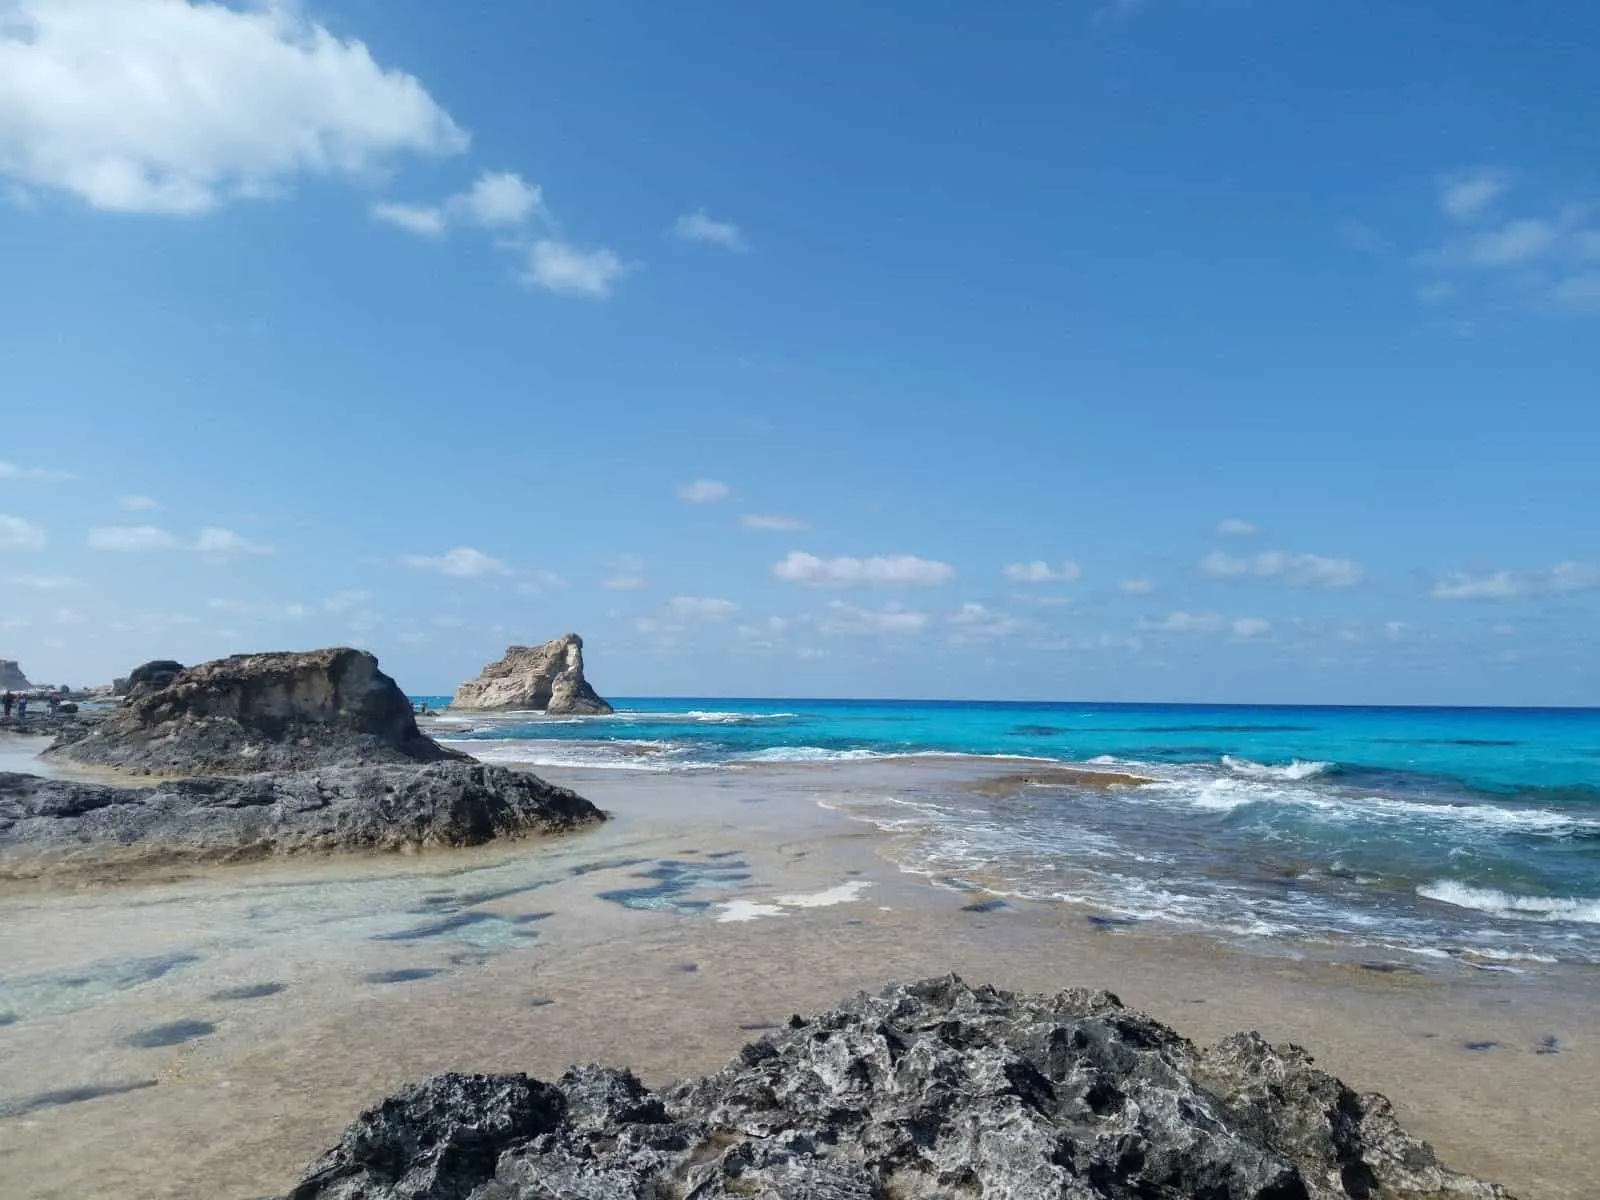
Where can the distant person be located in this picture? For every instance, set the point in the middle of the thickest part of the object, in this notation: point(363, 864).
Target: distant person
point(22, 708)
point(9, 701)
point(54, 702)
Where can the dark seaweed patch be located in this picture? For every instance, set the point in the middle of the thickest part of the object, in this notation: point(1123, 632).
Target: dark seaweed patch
point(74, 1095)
point(249, 991)
point(529, 918)
point(171, 1034)
point(8, 1018)
point(673, 880)
point(984, 906)
point(1479, 1046)
point(1100, 922)
point(756, 1026)
point(1549, 1044)
point(539, 1001)
point(436, 928)
point(1389, 968)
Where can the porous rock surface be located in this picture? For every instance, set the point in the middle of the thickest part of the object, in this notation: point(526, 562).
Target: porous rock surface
point(547, 677)
point(255, 712)
point(51, 825)
point(932, 1089)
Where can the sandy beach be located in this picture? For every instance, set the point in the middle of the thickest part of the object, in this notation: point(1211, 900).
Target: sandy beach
point(210, 1035)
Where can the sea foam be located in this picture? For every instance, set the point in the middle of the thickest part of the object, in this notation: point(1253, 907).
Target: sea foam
point(1493, 901)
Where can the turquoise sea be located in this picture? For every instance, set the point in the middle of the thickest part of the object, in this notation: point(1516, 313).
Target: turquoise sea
point(1470, 833)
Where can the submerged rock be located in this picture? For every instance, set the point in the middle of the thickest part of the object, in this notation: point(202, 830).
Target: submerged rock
point(547, 677)
point(256, 712)
point(932, 1089)
point(55, 825)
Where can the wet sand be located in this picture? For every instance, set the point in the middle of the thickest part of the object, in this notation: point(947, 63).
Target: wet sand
point(210, 1036)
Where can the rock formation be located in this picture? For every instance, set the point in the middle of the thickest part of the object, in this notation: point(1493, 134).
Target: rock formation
point(148, 677)
point(934, 1089)
point(256, 712)
point(547, 677)
point(11, 677)
point(58, 826)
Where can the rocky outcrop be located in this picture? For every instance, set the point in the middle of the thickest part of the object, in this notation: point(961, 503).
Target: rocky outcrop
point(148, 677)
point(256, 712)
point(60, 826)
point(11, 677)
point(933, 1089)
point(547, 678)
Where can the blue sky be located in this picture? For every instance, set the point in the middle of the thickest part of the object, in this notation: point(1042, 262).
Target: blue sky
point(1186, 349)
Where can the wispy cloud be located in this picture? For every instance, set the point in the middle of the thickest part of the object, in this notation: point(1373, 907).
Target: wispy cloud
point(17, 533)
point(1137, 587)
point(704, 491)
point(1185, 622)
point(496, 200)
point(260, 610)
point(842, 618)
point(1039, 571)
point(463, 562)
point(11, 470)
point(1296, 570)
point(698, 227)
point(1467, 195)
point(774, 524)
point(1515, 585)
point(627, 573)
point(46, 583)
point(887, 570)
point(133, 539)
point(1247, 628)
point(215, 542)
point(423, 220)
point(134, 503)
point(1236, 527)
point(345, 600)
point(701, 608)
point(977, 623)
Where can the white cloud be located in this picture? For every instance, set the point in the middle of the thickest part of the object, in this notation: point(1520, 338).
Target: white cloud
point(167, 106)
point(1360, 236)
point(1137, 587)
point(704, 491)
point(1512, 244)
point(1039, 571)
point(1578, 293)
point(774, 524)
point(18, 534)
point(1395, 630)
point(1251, 627)
point(706, 608)
point(1236, 527)
point(840, 617)
point(538, 582)
point(1185, 622)
point(627, 573)
point(1296, 570)
point(697, 227)
point(499, 200)
point(800, 567)
point(11, 470)
point(461, 563)
point(346, 599)
point(413, 218)
point(68, 616)
point(224, 543)
point(260, 610)
point(566, 269)
point(48, 583)
point(624, 583)
point(1469, 194)
point(1514, 585)
point(132, 539)
point(138, 504)
point(977, 622)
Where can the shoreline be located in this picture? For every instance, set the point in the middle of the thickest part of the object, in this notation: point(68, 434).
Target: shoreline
point(268, 1003)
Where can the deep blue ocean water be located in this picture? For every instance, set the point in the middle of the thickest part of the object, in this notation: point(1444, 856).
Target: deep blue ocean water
point(1473, 833)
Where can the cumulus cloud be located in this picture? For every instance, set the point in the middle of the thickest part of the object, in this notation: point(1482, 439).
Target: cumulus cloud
point(135, 503)
point(413, 218)
point(697, 227)
point(168, 106)
point(1514, 585)
point(1296, 570)
point(704, 491)
point(842, 618)
point(561, 267)
point(346, 599)
point(887, 570)
point(496, 200)
point(461, 563)
point(774, 524)
point(701, 608)
point(1039, 571)
point(1185, 622)
point(133, 539)
point(1467, 195)
point(215, 542)
point(1137, 587)
point(11, 470)
point(1251, 627)
point(977, 622)
point(1236, 527)
point(19, 534)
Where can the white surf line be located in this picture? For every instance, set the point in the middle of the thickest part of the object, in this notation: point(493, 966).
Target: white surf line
point(750, 910)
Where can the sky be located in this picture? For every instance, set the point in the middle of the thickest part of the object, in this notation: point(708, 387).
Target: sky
point(1189, 350)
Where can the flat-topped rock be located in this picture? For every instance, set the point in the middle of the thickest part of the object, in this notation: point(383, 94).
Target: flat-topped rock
point(926, 1090)
point(256, 712)
point(11, 677)
point(547, 678)
point(62, 827)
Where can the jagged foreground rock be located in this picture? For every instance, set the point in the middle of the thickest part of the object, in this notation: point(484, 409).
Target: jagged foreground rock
point(256, 712)
point(547, 677)
point(51, 825)
point(927, 1090)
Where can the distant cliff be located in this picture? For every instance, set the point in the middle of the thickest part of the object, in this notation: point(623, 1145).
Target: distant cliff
point(547, 677)
point(11, 677)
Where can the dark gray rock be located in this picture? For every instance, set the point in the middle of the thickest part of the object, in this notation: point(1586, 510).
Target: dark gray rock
point(933, 1089)
point(49, 824)
point(255, 712)
point(149, 677)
